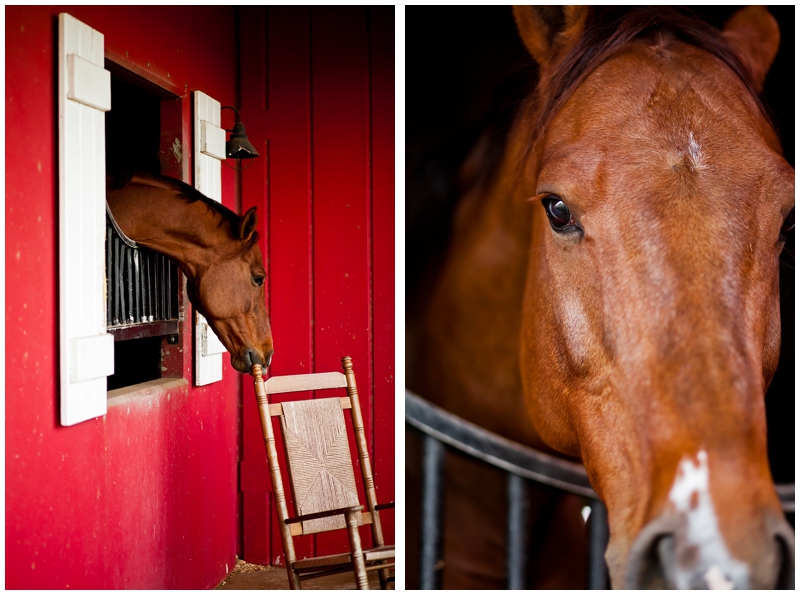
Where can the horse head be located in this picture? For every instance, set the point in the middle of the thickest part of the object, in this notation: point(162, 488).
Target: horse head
point(227, 287)
point(651, 326)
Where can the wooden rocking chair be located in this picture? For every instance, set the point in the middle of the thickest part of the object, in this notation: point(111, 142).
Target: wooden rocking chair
point(321, 475)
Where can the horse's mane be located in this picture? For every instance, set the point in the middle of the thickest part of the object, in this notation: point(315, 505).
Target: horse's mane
point(184, 190)
point(611, 28)
point(187, 193)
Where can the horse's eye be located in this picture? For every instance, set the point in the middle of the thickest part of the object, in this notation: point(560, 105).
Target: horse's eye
point(258, 280)
point(788, 224)
point(558, 214)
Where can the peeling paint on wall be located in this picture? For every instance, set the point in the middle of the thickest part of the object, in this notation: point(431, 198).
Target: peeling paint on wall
point(177, 150)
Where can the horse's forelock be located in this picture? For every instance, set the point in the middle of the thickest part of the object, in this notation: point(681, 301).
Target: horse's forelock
point(609, 30)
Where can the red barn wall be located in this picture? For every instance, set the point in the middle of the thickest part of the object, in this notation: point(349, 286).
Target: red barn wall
point(148, 496)
point(318, 85)
point(144, 497)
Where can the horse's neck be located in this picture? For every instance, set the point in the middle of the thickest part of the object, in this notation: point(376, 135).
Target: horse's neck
point(468, 348)
point(160, 220)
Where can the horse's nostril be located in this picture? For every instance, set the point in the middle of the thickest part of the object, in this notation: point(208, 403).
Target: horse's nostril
point(252, 357)
point(269, 357)
point(652, 557)
point(645, 568)
point(785, 579)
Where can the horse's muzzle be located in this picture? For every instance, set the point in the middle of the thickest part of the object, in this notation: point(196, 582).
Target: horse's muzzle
point(251, 356)
point(663, 557)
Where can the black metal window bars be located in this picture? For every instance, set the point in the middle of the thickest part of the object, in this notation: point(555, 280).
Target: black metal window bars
point(441, 428)
point(141, 288)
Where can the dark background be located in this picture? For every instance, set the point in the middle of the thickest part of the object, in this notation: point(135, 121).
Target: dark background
point(465, 70)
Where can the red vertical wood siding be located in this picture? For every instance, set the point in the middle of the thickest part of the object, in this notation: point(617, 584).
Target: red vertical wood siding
point(144, 497)
point(342, 255)
point(318, 83)
point(382, 143)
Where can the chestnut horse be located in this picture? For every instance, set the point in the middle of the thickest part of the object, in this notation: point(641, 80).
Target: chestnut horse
point(216, 249)
point(644, 327)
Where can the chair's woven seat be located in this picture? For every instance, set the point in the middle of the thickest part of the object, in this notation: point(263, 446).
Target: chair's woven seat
point(319, 461)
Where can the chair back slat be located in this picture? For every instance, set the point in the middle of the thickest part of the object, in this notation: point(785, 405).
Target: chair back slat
point(300, 382)
point(318, 460)
point(276, 409)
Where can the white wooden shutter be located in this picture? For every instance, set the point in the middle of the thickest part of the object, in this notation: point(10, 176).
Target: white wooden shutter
point(209, 151)
point(84, 94)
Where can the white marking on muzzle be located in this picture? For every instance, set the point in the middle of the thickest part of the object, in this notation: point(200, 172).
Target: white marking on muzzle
point(692, 498)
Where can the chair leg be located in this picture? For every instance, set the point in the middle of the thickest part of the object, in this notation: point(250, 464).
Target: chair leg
point(356, 552)
point(275, 475)
point(383, 574)
point(294, 580)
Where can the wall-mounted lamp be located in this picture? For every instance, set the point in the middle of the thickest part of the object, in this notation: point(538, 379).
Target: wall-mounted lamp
point(238, 147)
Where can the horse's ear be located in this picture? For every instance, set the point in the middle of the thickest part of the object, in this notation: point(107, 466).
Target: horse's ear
point(547, 31)
point(247, 225)
point(755, 35)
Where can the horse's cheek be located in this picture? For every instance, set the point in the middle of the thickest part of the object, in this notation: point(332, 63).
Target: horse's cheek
point(772, 342)
point(217, 299)
point(545, 378)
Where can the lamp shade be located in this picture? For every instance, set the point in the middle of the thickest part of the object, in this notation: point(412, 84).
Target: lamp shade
point(238, 147)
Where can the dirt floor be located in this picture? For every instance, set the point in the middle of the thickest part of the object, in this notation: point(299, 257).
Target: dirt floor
point(252, 576)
